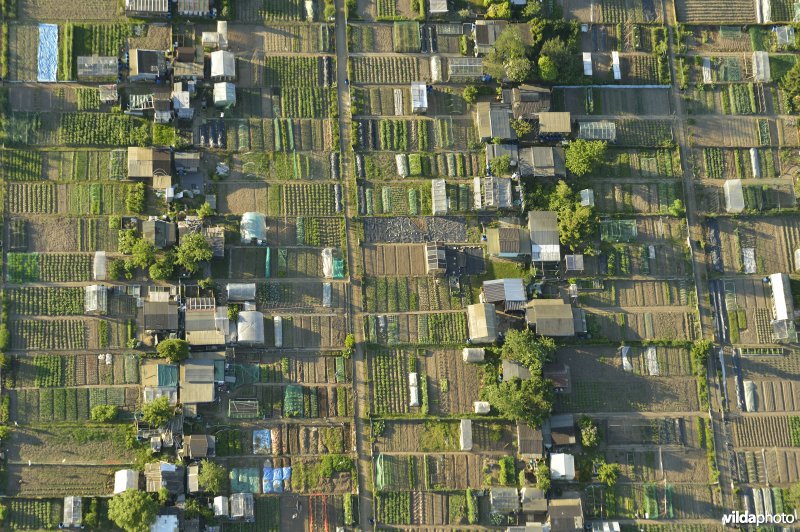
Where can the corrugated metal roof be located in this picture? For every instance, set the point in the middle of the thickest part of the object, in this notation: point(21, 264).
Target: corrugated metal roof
point(482, 322)
point(511, 289)
point(543, 228)
point(554, 122)
point(551, 317)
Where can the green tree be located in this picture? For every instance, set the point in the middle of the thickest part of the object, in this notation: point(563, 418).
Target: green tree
point(173, 349)
point(529, 400)
point(790, 83)
point(143, 253)
point(677, 209)
point(590, 436)
point(500, 165)
point(126, 239)
point(132, 510)
point(116, 269)
point(136, 197)
point(521, 127)
point(163, 496)
point(509, 45)
point(499, 10)
point(212, 477)
point(548, 70)
point(543, 476)
point(158, 412)
point(585, 156)
point(576, 226)
point(205, 210)
point(5, 432)
point(517, 69)
point(104, 413)
point(532, 9)
point(528, 349)
point(608, 473)
point(470, 94)
point(193, 250)
point(163, 268)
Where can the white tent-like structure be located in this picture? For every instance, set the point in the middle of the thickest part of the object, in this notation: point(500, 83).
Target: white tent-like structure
point(562, 466)
point(465, 439)
point(253, 227)
point(473, 354)
point(761, 71)
point(250, 327)
point(481, 407)
point(99, 266)
point(734, 196)
point(277, 326)
point(126, 479)
point(224, 94)
point(220, 506)
point(750, 402)
point(73, 512)
point(223, 66)
point(438, 196)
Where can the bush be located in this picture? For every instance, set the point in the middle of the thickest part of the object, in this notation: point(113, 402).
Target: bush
point(173, 349)
point(508, 471)
point(104, 413)
point(157, 412)
point(473, 514)
point(135, 199)
point(470, 93)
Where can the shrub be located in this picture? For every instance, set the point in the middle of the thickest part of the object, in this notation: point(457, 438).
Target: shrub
point(104, 413)
point(136, 198)
point(173, 349)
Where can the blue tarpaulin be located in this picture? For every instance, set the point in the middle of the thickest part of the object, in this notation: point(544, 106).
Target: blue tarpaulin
point(273, 479)
point(48, 52)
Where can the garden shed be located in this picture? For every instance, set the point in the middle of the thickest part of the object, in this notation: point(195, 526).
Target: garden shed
point(527, 101)
point(241, 291)
point(126, 479)
point(566, 513)
point(554, 125)
point(220, 506)
point(97, 68)
point(587, 63)
point(146, 65)
point(515, 370)
point(419, 97)
point(574, 263)
point(530, 444)
point(554, 317)
point(473, 354)
point(99, 266)
point(562, 466)
point(482, 323)
point(465, 438)
point(750, 396)
point(761, 72)
point(223, 66)
point(197, 382)
point(144, 163)
point(160, 233)
point(188, 71)
point(212, 40)
point(250, 327)
point(598, 130)
point(181, 102)
point(224, 94)
point(587, 197)
point(544, 236)
point(164, 475)
point(161, 315)
point(486, 33)
point(438, 196)
point(508, 242)
point(253, 228)
point(199, 446)
point(510, 292)
point(437, 7)
point(542, 161)
point(146, 8)
point(494, 122)
point(493, 151)
point(95, 299)
point(73, 512)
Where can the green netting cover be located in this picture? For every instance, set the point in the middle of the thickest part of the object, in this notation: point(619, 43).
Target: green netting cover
point(267, 263)
point(246, 374)
point(338, 268)
point(245, 480)
point(293, 401)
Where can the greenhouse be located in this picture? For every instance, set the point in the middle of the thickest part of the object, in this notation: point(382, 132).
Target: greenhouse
point(618, 230)
point(96, 299)
point(250, 327)
point(254, 228)
point(224, 94)
point(734, 196)
point(241, 291)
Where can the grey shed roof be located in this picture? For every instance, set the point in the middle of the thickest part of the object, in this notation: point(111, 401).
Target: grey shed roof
point(543, 228)
point(487, 31)
point(542, 161)
point(504, 500)
point(160, 315)
point(73, 511)
point(164, 475)
point(527, 101)
point(241, 291)
point(515, 370)
point(95, 67)
point(508, 241)
point(147, 7)
point(161, 233)
point(482, 322)
point(494, 121)
point(554, 122)
point(437, 6)
point(509, 291)
point(551, 317)
point(529, 441)
point(498, 150)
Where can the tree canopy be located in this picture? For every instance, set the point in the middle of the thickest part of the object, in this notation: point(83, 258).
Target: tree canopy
point(104, 413)
point(212, 477)
point(790, 83)
point(590, 436)
point(158, 412)
point(528, 349)
point(173, 349)
point(500, 165)
point(508, 57)
point(585, 156)
point(529, 400)
point(557, 61)
point(132, 510)
point(143, 253)
point(608, 473)
point(193, 250)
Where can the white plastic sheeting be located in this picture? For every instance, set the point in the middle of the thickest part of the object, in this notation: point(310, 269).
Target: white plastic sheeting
point(481, 407)
point(327, 263)
point(241, 291)
point(626, 363)
point(734, 195)
point(587, 63)
point(465, 439)
point(48, 53)
point(438, 196)
point(436, 69)
point(327, 295)
point(277, 324)
point(99, 267)
point(615, 65)
point(761, 72)
point(250, 327)
point(253, 226)
point(750, 396)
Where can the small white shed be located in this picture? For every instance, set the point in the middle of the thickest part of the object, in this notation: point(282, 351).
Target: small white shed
point(473, 354)
point(466, 435)
point(481, 407)
point(224, 94)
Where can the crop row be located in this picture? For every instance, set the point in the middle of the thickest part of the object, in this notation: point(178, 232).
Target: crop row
point(49, 372)
point(384, 70)
point(88, 99)
point(394, 507)
point(279, 134)
point(48, 267)
point(309, 200)
point(69, 404)
point(305, 102)
point(57, 334)
point(442, 329)
point(103, 129)
point(293, 72)
point(40, 301)
point(33, 514)
point(21, 165)
point(389, 377)
point(395, 200)
point(31, 198)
